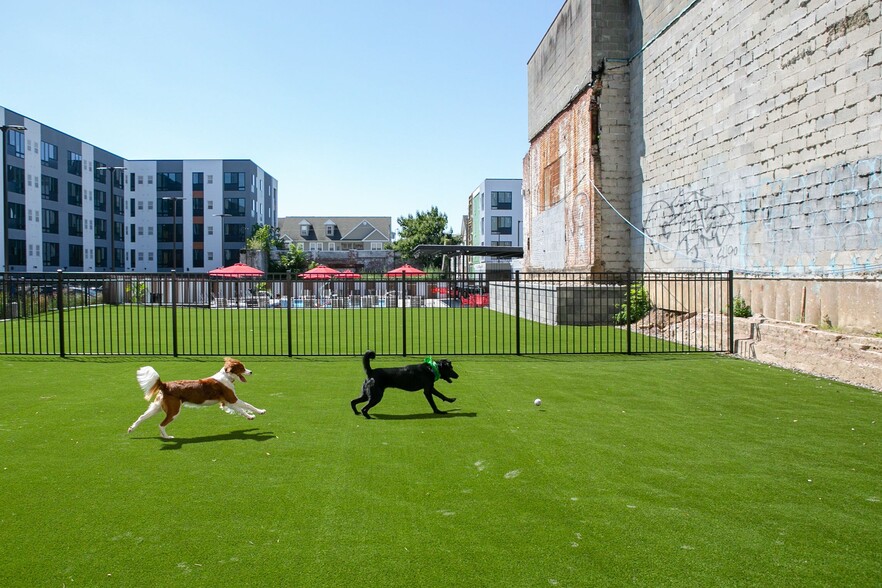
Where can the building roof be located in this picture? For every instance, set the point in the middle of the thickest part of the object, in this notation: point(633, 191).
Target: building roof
point(347, 228)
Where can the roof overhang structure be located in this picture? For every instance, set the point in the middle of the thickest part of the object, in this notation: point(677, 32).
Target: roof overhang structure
point(477, 250)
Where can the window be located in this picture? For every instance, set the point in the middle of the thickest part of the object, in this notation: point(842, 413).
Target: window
point(74, 194)
point(131, 207)
point(16, 215)
point(15, 179)
point(169, 182)
point(75, 255)
point(100, 200)
point(74, 163)
point(48, 154)
point(234, 181)
point(100, 229)
point(198, 258)
point(50, 221)
point(16, 141)
point(330, 229)
point(304, 230)
point(119, 233)
point(132, 232)
point(198, 206)
point(119, 204)
point(17, 252)
point(49, 187)
point(169, 207)
point(100, 175)
point(50, 254)
point(500, 225)
point(501, 243)
point(234, 233)
point(75, 225)
point(198, 182)
point(234, 206)
point(500, 200)
point(164, 233)
point(198, 233)
point(101, 257)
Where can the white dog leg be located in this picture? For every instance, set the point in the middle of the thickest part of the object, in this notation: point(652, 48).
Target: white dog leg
point(240, 409)
point(154, 408)
point(249, 407)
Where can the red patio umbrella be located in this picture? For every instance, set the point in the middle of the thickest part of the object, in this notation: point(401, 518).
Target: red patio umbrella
point(348, 274)
point(319, 272)
point(237, 270)
point(407, 270)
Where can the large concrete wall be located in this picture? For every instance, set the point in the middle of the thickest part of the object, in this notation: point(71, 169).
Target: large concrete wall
point(758, 144)
point(558, 72)
point(577, 116)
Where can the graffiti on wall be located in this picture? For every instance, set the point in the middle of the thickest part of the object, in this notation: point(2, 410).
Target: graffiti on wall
point(825, 221)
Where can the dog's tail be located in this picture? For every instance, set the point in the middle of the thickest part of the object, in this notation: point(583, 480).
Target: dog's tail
point(148, 379)
point(366, 362)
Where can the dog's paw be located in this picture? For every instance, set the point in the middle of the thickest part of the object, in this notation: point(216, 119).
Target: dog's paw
point(260, 411)
point(249, 416)
point(130, 429)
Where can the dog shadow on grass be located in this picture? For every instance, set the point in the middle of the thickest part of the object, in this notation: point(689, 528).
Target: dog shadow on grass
point(424, 415)
point(241, 435)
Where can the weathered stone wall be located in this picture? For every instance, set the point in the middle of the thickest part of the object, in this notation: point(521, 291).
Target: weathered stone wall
point(852, 305)
point(573, 120)
point(556, 74)
point(760, 136)
point(559, 212)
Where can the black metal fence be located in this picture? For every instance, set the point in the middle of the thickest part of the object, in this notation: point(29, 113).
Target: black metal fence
point(280, 315)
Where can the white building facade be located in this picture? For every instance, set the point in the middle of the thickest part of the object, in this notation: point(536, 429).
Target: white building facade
point(495, 218)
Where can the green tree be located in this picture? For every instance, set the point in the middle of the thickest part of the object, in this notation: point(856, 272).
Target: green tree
point(426, 228)
point(266, 238)
point(294, 259)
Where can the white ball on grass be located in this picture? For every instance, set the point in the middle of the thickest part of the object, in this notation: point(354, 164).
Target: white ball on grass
point(537, 402)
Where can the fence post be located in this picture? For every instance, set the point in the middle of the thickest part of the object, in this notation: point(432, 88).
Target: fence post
point(174, 297)
point(59, 303)
point(731, 281)
point(289, 292)
point(518, 312)
point(403, 297)
point(628, 310)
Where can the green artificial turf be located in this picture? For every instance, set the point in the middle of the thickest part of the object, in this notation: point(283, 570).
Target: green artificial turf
point(647, 471)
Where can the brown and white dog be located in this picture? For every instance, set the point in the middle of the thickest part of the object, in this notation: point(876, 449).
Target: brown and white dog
point(170, 396)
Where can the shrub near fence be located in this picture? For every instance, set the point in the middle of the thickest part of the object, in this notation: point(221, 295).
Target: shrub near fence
point(464, 314)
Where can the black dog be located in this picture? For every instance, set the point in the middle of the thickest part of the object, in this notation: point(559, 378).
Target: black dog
point(421, 376)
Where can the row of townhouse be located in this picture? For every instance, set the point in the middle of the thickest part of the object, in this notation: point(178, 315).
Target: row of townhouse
point(342, 242)
point(74, 206)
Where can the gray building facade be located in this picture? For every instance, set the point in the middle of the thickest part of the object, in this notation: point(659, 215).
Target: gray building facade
point(74, 206)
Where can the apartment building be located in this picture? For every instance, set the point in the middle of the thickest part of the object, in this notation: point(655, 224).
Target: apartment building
point(194, 215)
point(495, 218)
point(74, 206)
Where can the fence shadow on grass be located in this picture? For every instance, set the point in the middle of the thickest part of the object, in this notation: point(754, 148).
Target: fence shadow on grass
point(424, 415)
point(242, 435)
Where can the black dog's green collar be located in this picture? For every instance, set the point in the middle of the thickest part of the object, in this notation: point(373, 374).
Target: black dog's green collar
point(434, 367)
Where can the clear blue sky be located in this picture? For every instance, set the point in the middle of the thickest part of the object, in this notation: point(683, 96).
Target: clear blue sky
point(357, 108)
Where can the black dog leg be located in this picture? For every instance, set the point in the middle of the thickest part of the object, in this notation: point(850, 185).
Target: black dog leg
point(365, 395)
point(376, 397)
point(429, 392)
